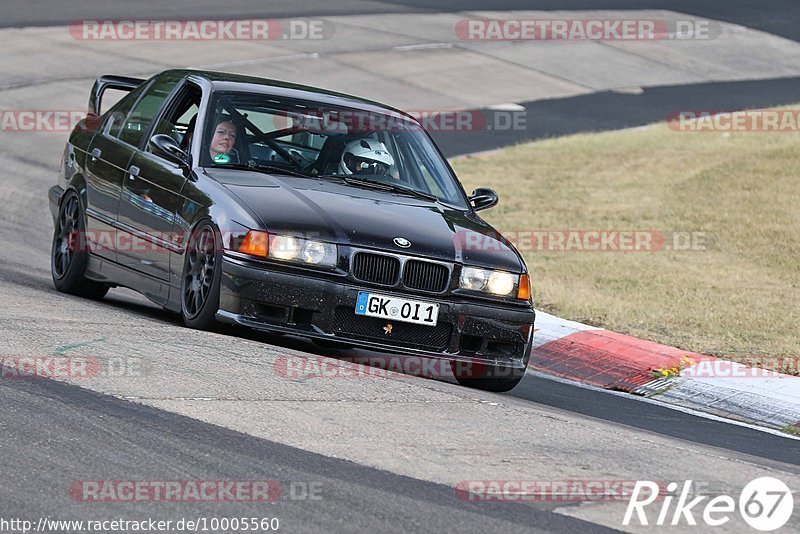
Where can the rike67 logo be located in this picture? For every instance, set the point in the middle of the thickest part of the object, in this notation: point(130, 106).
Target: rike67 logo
point(765, 504)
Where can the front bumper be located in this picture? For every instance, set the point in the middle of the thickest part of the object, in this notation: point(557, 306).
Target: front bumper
point(320, 308)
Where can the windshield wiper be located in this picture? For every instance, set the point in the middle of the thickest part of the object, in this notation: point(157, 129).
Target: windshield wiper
point(387, 186)
point(269, 169)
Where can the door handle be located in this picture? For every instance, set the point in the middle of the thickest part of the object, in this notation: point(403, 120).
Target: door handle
point(134, 171)
point(96, 152)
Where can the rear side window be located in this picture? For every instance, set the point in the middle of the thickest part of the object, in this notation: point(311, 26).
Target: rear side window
point(120, 110)
point(137, 124)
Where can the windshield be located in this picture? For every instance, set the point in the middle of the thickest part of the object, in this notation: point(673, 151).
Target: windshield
point(318, 140)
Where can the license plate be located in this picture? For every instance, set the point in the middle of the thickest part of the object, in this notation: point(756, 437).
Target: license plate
point(397, 309)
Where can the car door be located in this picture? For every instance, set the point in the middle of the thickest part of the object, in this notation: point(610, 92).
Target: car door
point(151, 193)
point(106, 166)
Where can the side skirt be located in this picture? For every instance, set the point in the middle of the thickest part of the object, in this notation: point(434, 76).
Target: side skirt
point(109, 272)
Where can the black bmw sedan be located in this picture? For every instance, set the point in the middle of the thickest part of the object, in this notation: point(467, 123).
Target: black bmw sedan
point(288, 209)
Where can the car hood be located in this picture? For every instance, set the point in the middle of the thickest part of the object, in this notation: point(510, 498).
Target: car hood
point(351, 215)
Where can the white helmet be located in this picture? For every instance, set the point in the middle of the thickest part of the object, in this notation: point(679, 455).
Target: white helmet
point(365, 156)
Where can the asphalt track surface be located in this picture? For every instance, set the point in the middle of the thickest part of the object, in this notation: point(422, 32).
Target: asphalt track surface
point(127, 441)
point(608, 110)
point(52, 433)
point(778, 16)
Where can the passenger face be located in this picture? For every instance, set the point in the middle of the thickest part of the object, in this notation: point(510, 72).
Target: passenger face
point(224, 138)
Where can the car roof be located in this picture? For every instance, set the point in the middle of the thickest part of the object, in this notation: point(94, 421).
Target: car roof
point(225, 81)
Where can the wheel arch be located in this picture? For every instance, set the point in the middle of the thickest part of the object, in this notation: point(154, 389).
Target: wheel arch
point(76, 183)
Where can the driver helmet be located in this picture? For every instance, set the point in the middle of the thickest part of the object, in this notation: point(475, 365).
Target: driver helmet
point(365, 156)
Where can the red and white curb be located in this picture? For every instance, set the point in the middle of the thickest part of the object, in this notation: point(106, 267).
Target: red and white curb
point(615, 361)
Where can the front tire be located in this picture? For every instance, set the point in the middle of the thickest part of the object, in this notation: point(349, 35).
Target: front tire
point(494, 378)
point(200, 281)
point(69, 253)
point(333, 345)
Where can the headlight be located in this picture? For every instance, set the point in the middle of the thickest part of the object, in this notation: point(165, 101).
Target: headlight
point(501, 283)
point(474, 279)
point(284, 248)
point(297, 250)
point(498, 283)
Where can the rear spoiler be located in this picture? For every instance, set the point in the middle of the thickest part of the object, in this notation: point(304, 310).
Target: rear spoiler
point(107, 81)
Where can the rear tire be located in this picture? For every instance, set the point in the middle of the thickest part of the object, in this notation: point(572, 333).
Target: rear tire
point(69, 253)
point(200, 281)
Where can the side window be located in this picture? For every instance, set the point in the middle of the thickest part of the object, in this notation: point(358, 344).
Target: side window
point(138, 121)
point(179, 117)
point(419, 168)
